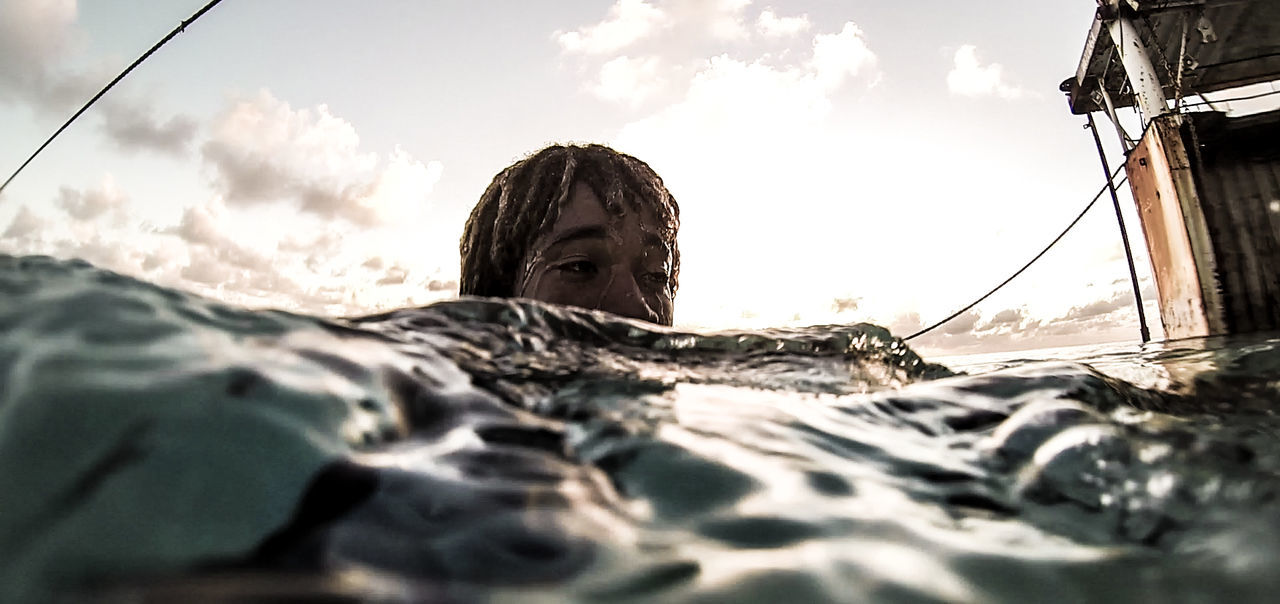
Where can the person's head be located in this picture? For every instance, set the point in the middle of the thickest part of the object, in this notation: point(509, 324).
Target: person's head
point(581, 225)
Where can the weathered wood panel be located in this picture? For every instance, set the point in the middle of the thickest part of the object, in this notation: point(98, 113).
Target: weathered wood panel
point(1238, 182)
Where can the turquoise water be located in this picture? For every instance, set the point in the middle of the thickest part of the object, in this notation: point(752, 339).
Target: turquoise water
point(158, 446)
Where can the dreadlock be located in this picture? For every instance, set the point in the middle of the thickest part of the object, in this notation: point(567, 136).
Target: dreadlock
point(524, 200)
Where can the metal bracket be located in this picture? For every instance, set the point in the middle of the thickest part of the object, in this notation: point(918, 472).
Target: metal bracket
point(1103, 100)
point(1205, 27)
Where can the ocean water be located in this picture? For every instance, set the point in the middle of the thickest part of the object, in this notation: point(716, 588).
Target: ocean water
point(156, 446)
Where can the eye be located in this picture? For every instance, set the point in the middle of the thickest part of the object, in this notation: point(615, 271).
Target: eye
point(579, 269)
point(656, 279)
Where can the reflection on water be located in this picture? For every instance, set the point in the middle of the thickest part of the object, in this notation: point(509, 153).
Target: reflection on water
point(1235, 370)
point(157, 445)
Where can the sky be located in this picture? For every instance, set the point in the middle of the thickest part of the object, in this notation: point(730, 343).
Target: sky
point(835, 162)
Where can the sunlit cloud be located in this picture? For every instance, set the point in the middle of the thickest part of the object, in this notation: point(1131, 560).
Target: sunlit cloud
point(627, 22)
point(207, 229)
point(723, 19)
point(308, 265)
point(262, 150)
point(771, 25)
point(839, 56)
point(1111, 318)
point(629, 81)
point(745, 131)
point(738, 99)
point(355, 247)
point(734, 98)
point(670, 25)
point(969, 77)
point(724, 145)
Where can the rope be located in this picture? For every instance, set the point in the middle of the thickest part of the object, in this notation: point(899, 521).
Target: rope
point(181, 26)
point(1025, 266)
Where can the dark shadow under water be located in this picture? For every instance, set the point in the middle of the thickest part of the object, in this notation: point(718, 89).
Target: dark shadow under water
point(158, 447)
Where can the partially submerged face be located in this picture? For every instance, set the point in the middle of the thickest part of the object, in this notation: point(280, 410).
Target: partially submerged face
point(593, 259)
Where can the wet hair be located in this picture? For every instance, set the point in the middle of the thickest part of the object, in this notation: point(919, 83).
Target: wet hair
point(524, 201)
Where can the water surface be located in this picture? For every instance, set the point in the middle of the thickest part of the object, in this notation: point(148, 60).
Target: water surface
point(159, 445)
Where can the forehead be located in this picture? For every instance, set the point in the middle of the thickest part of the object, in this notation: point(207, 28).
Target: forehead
point(584, 208)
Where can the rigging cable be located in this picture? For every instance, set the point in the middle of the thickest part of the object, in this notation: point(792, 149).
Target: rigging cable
point(1029, 263)
point(1235, 99)
point(177, 30)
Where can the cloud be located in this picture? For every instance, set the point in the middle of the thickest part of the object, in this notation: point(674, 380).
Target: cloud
point(733, 102)
point(1106, 319)
point(723, 19)
point(207, 271)
point(964, 323)
point(209, 251)
point(847, 304)
point(35, 35)
point(76, 227)
point(437, 285)
point(92, 204)
point(401, 275)
point(970, 78)
point(25, 225)
point(629, 81)
point(1099, 308)
point(772, 26)
point(840, 56)
point(1009, 317)
point(665, 26)
point(205, 228)
point(217, 264)
point(133, 127)
point(39, 69)
point(92, 224)
point(746, 136)
point(262, 150)
point(311, 266)
point(394, 276)
point(906, 324)
point(628, 22)
point(644, 50)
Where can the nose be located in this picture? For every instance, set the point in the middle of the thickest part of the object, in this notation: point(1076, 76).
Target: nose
point(622, 296)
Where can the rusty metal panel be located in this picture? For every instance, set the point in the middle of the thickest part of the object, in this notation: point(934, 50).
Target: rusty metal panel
point(1238, 176)
point(1178, 285)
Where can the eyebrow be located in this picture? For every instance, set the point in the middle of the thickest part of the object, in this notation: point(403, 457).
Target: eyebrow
point(600, 231)
point(590, 231)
